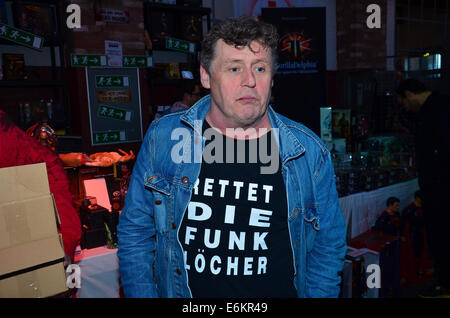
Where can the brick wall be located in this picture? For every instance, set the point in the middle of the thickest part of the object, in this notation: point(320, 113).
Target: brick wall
point(358, 46)
point(90, 39)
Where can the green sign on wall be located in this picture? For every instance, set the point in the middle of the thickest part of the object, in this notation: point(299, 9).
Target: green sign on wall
point(20, 37)
point(114, 113)
point(114, 81)
point(180, 45)
point(85, 60)
point(108, 137)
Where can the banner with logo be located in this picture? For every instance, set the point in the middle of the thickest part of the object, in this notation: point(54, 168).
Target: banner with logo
point(254, 8)
point(300, 82)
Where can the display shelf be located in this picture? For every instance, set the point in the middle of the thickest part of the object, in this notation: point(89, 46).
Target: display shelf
point(178, 11)
point(57, 81)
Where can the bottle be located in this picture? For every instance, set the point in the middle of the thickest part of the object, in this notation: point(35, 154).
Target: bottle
point(27, 112)
point(22, 116)
point(50, 109)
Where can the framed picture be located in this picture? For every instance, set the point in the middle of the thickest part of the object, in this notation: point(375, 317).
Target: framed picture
point(36, 18)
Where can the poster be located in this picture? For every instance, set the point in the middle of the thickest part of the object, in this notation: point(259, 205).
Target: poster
point(112, 16)
point(341, 123)
point(299, 89)
point(113, 50)
point(326, 125)
point(114, 105)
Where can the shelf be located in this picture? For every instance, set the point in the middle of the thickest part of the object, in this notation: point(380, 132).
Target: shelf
point(31, 83)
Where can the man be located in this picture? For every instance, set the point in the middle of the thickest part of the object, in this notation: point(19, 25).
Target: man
point(389, 221)
point(432, 157)
point(16, 149)
point(188, 94)
point(243, 226)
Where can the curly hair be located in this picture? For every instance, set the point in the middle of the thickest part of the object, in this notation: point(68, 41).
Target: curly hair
point(411, 85)
point(239, 32)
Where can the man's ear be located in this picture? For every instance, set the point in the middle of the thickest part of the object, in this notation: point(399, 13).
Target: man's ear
point(205, 78)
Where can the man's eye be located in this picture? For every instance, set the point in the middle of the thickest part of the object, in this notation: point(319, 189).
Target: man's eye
point(234, 69)
point(260, 69)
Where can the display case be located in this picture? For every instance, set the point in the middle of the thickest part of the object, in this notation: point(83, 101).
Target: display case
point(386, 160)
point(34, 86)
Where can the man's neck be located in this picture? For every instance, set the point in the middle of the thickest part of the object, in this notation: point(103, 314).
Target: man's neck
point(390, 212)
point(233, 130)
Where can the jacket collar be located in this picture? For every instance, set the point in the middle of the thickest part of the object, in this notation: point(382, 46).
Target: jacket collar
point(289, 145)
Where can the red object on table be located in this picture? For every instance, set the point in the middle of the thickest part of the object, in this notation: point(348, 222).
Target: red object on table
point(372, 240)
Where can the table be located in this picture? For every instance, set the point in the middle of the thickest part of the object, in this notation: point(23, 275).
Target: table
point(99, 273)
point(361, 210)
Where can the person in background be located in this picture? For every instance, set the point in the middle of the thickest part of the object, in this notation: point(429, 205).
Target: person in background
point(432, 144)
point(389, 222)
point(188, 94)
point(16, 149)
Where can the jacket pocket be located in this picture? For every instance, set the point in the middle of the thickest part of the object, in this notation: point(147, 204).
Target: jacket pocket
point(157, 183)
point(161, 189)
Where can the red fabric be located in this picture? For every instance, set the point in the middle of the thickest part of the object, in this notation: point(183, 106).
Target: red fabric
point(16, 149)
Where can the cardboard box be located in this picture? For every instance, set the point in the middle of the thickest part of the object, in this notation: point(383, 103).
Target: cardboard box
point(31, 251)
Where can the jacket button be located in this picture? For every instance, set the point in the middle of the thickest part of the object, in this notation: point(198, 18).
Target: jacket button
point(174, 225)
point(178, 271)
point(158, 202)
point(185, 179)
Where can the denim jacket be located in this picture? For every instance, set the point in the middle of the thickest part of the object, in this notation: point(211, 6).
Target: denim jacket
point(150, 255)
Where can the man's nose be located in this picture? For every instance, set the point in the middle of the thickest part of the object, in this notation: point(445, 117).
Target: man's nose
point(248, 78)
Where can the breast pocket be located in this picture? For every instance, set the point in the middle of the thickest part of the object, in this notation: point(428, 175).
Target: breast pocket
point(161, 196)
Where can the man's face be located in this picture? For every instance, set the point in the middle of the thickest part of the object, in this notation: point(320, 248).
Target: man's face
point(395, 207)
point(240, 84)
point(409, 101)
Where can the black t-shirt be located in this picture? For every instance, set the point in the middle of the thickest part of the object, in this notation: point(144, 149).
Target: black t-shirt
point(235, 232)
